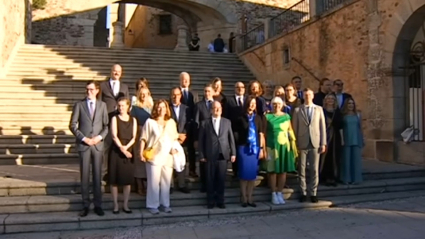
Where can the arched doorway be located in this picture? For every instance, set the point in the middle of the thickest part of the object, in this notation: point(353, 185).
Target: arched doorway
point(408, 85)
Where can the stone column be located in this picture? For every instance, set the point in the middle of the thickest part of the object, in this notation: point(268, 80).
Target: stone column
point(267, 28)
point(182, 39)
point(117, 41)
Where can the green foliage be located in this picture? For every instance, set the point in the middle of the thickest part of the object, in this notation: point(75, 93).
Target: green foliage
point(38, 4)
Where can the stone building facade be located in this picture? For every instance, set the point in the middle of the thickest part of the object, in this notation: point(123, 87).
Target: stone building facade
point(368, 44)
point(59, 24)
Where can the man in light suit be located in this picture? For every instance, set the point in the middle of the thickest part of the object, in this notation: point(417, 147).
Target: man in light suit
point(216, 146)
point(89, 124)
point(310, 131)
point(180, 114)
point(202, 112)
point(112, 89)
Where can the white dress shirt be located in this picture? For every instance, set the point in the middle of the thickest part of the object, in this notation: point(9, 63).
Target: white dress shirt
point(216, 124)
point(115, 86)
point(176, 109)
point(239, 98)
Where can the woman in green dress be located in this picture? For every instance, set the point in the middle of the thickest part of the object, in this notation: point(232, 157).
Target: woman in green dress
point(281, 149)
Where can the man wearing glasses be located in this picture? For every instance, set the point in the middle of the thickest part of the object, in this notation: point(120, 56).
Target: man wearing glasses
point(340, 95)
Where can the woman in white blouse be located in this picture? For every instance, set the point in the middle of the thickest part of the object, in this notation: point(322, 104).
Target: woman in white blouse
point(159, 135)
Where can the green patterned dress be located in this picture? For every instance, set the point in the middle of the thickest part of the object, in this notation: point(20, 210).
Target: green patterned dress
point(281, 151)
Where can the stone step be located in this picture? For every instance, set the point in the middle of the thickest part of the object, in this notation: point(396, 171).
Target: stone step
point(38, 159)
point(62, 203)
point(59, 221)
point(37, 139)
point(23, 149)
point(34, 128)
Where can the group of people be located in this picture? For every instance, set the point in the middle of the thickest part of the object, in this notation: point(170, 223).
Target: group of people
point(272, 129)
point(216, 45)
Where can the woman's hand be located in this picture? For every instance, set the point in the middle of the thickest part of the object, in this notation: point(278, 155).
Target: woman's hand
point(123, 149)
point(128, 154)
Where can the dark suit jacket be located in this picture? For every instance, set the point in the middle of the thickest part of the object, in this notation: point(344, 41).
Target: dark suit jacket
point(318, 98)
point(210, 145)
point(108, 95)
point(182, 122)
point(241, 129)
point(189, 102)
point(233, 110)
point(201, 113)
point(81, 124)
point(345, 96)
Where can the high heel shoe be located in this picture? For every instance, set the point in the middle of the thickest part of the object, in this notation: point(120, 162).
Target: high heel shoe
point(252, 204)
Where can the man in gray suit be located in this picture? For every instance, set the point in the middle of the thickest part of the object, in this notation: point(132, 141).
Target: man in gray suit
point(89, 124)
point(216, 146)
point(309, 126)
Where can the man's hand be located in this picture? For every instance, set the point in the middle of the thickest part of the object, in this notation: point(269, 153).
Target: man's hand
point(203, 160)
point(182, 138)
point(96, 140)
point(233, 159)
point(322, 149)
point(88, 141)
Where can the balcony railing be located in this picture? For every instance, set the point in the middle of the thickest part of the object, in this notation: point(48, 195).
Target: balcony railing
point(326, 5)
point(252, 38)
point(290, 18)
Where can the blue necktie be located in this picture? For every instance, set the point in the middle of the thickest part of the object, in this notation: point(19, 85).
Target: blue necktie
point(185, 94)
point(209, 105)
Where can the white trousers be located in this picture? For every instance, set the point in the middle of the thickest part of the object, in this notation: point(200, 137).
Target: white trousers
point(158, 184)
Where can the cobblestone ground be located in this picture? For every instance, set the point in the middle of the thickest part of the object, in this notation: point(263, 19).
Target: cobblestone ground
point(399, 219)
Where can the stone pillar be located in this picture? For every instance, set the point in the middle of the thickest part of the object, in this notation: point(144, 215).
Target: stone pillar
point(267, 28)
point(182, 39)
point(117, 41)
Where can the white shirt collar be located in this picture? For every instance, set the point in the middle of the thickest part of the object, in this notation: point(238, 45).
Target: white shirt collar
point(111, 80)
point(216, 118)
point(89, 100)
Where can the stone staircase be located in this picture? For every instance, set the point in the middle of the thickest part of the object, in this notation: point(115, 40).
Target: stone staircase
point(44, 82)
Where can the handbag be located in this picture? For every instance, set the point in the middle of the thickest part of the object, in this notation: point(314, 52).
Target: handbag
point(148, 153)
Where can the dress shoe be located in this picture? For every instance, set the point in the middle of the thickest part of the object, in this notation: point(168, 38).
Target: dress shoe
point(84, 212)
point(314, 199)
point(184, 190)
point(127, 211)
point(116, 212)
point(210, 206)
point(99, 211)
point(244, 204)
point(303, 198)
point(252, 204)
point(221, 205)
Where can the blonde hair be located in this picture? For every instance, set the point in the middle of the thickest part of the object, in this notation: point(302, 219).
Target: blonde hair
point(276, 89)
point(335, 106)
point(147, 102)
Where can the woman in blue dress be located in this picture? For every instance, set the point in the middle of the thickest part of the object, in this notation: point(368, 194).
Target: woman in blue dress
point(250, 141)
point(351, 163)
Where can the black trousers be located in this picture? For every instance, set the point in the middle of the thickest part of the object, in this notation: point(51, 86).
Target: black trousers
point(215, 180)
point(91, 157)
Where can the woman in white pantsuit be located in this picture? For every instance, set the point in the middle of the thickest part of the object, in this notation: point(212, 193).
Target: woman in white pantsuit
point(159, 134)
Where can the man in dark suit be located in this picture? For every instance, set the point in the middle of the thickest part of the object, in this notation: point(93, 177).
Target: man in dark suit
point(340, 95)
point(216, 145)
point(188, 100)
point(234, 108)
point(111, 90)
point(180, 113)
point(89, 124)
point(203, 112)
point(219, 44)
point(325, 87)
point(298, 83)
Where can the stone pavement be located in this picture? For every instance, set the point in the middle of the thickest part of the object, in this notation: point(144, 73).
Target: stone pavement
point(398, 219)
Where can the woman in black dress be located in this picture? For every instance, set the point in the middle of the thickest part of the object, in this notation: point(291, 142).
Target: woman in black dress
point(219, 96)
point(121, 164)
point(330, 160)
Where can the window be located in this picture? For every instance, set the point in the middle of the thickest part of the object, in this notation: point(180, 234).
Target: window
point(286, 55)
point(165, 24)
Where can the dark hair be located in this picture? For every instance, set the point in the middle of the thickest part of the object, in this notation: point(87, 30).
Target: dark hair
point(248, 102)
point(337, 80)
point(173, 89)
point(323, 80)
point(344, 109)
point(141, 81)
point(96, 86)
point(308, 89)
point(296, 77)
point(293, 87)
point(123, 98)
point(255, 82)
point(155, 113)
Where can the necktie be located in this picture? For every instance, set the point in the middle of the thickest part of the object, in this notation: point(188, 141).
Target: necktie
point(240, 101)
point(113, 88)
point(300, 94)
point(209, 105)
point(309, 113)
point(91, 109)
point(185, 94)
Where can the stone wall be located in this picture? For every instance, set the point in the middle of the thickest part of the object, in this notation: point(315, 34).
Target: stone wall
point(366, 44)
point(13, 25)
point(143, 30)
